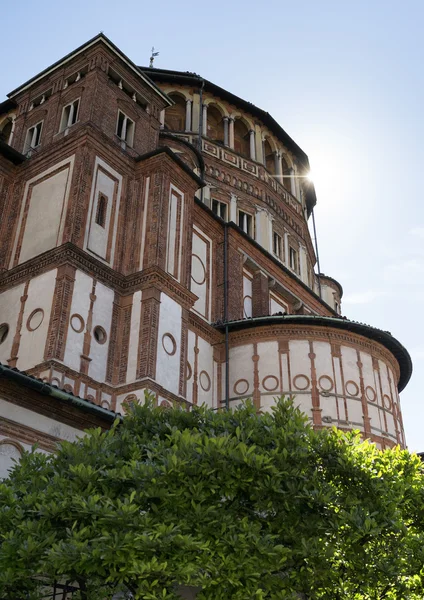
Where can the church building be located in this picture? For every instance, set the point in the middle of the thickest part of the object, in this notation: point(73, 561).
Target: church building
point(154, 235)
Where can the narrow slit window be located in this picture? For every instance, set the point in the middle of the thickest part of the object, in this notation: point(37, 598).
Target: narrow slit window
point(293, 260)
point(277, 245)
point(101, 212)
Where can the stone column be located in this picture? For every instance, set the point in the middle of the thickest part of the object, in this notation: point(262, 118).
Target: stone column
point(277, 164)
point(292, 183)
point(286, 250)
point(263, 152)
point(205, 120)
point(258, 144)
point(226, 141)
point(258, 236)
point(280, 167)
point(233, 208)
point(270, 235)
point(162, 119)
point(231, 122)
point(188, 116)
point(12, 131)
point(252, 145)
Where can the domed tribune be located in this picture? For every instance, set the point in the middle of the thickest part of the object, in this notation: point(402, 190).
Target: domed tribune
point(339, 372)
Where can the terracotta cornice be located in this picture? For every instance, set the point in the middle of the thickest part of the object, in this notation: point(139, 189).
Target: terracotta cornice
point(124, 284)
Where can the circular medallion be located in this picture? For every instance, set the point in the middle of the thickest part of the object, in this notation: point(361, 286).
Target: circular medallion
point(198, 271)
point(270, 383)
point(301, 382)
point(35, 319)
point(128, 402)
point(352, 388)
point(77, 323)
point(189, 371)
point(370, 393)
point(325, 383)
point(387, 402)
point(169, 344)
point(241, 387)
point(205, 381)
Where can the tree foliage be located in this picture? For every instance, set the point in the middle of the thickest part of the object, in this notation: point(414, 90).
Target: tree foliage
point(236, 504)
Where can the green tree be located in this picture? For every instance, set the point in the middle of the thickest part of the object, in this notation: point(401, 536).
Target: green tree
point(235, 504)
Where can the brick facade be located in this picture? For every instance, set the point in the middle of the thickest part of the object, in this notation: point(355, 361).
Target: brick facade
point(123, 315)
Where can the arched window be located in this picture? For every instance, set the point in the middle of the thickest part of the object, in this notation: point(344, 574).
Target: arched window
point(286, 175)
point(175, 115)
point(101, 210)
point(241, 138)
point(6, 130)
point(269, 157)
point(215, 126)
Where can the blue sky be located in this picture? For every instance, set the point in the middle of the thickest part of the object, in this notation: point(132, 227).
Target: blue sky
point(346, 82)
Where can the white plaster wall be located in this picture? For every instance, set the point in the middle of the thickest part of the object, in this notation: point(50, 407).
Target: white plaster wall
point(324, 370)
point(205, 365)
point(300, 363)
point(191, 341)
point(23, 416)
point(176, 204)
point(134, 337)
point(80, 305)
point(9, 455)
point(33, 343)
point(276, 305)
point(268, 366)
point(241, 367)
point(338, 381)
point(102, 315)
point(200, 274)
point(9, 312)
point(109, 182)
point(303, 262)
point(139, 394)
point(98, 236)
point(168, 367)
point(47, 210)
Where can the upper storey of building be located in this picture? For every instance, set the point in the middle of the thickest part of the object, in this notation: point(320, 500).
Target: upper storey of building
point(255, 174)
point(246, 131)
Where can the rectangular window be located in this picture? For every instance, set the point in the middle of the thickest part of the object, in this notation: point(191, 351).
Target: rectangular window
point(69, 115)
point(293, 260)
point(220, 209)
point(245, 222)
point(277, 245)
point(33, 137)
point(125, 128)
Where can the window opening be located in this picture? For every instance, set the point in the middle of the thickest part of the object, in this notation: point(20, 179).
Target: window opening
point(277, 245)
point(69, 115)
point(293, 259)
point(33, 137)
point(245, 222)
point(101, 210)
point(125, 128)
point(220, 209)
